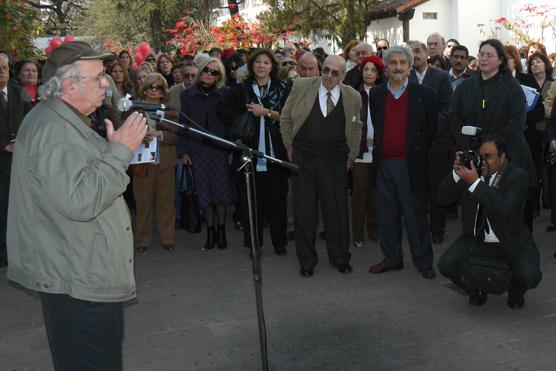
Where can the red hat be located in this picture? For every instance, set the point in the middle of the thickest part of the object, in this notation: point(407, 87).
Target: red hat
point(374, 60)
point(228, 52)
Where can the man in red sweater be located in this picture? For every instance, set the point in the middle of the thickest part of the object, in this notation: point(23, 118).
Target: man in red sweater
point(404, 117)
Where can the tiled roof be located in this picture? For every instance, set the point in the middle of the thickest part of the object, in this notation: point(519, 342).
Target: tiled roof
point(391, 8)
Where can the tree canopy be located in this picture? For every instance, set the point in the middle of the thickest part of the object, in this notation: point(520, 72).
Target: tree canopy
point(342, 20)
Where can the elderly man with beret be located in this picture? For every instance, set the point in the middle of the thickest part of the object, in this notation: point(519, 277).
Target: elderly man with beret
point(69, 230)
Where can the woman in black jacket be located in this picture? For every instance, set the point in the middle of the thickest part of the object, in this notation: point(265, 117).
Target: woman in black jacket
point(264, 96)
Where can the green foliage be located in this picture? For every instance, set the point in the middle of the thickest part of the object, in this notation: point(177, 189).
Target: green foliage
point(128, 22)
point(343, 20)
point(17, 27)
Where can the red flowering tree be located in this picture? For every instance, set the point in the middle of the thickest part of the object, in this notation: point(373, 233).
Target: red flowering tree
point(190, 36)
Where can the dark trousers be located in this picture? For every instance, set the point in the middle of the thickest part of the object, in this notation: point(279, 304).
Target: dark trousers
point(363, 202)
point(321, 179)
point(525, 267)
point(4, 197)
point(394, 198)
point(271, 194)
point(83, 335)
point(440, 165)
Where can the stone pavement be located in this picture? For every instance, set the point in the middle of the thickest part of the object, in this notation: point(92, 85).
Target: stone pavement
point(196, 311)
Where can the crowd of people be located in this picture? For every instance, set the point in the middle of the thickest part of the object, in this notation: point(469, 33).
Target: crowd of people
point(383, 128)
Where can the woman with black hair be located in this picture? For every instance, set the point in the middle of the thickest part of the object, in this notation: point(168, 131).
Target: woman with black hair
point(263, 95)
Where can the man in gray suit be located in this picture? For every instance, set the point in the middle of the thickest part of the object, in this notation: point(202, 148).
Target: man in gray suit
point(14, 105)
point(321, 130)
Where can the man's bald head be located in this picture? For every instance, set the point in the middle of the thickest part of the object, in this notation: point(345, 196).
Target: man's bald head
point(362, 50)
point(307, 65)
point(333, 71)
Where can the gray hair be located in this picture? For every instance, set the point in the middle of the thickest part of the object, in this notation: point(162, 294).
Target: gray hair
point(437, 35)
point(53, 87)
point(423, 45)
point(200, 58)
point(4, 55)
point(398, 49)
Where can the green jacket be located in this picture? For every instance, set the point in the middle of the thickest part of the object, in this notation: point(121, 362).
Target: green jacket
point(69, 229)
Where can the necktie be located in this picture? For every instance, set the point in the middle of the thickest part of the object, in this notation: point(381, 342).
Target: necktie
point(3, 101)
point(481, 224)
point(329, 103)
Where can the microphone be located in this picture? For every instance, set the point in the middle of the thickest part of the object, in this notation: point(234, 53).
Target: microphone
point(470, 131)
point(125, 104)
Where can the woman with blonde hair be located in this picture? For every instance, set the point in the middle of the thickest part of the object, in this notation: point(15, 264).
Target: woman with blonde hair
point(208, 160)
point(156, 179)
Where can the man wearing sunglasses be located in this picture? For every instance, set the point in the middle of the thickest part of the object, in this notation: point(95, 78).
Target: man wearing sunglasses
point(321, 129)
point(69, 230)
point(188, 72)
point(354, 77)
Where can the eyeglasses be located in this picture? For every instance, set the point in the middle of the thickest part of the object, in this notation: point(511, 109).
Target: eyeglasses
point(99, 78)
point(327, 70)
point(211, 72)
point(189, 75)
point(360, 53)
point(381, 48)
point(433, 44)
point(289, 63)
point(156, 87)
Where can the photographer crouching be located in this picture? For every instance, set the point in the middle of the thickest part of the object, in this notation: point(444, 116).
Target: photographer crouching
point(502, 256)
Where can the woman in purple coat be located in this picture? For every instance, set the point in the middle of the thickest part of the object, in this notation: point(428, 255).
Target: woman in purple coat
point(208, 160)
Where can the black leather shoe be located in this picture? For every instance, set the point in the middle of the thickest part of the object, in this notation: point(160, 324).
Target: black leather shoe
point(306, 271)
point(381, 268)
point(322, 235)
point(220, 237)
point(345, 268)
point(516, 301)
point(291, 235)
point(3, 261)
point(211, 238)
point(280, 251)
point(437, 238)
point(478, 298)
point(238, 225)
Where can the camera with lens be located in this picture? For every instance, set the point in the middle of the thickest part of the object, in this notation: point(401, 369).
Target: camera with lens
point(472, 155)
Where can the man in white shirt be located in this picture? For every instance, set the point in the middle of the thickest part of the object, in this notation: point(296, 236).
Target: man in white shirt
point(500, 188)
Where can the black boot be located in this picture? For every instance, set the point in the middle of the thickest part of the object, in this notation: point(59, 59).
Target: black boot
point(221, 237)
point(210, 238)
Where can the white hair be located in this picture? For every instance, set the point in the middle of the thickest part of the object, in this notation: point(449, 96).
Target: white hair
point(53, 87)
point(386, 54)
point(200, 58)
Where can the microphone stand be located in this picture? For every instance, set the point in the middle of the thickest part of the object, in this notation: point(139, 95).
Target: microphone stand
point(249, 156)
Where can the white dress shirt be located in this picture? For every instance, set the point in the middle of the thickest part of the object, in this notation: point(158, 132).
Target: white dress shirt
point(323, 96)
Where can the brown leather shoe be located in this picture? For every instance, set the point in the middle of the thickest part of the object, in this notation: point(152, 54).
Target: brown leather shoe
point(381, 268)
point(169, 247)
point(428, 273)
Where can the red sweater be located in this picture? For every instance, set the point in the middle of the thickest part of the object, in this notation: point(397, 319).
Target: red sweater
point(394, 137)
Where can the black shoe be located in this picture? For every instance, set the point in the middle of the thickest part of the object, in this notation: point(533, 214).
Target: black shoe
point(306, 271)
point(238, 225)
point(478, 298)
point(516, 301)
point(345, 268)
point(221, 237)
point(280, 251)
point(291, 235)
point(437, 238)
point(210, 238)
point(322, 235)
point(3, 261)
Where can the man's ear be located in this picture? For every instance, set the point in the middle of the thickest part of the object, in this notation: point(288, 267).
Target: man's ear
point(68, 85)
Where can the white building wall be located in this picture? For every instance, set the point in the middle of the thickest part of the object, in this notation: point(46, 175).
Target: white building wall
point(388, 28)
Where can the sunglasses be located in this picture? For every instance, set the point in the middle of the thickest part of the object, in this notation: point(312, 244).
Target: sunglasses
point(381, 48)
point(289, 63)
point(328, 70)
point(211, 72)
point(156, 87)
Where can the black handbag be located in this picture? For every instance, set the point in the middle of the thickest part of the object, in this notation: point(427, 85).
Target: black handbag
point(190, 218)
point(486, 274)
point(244, 126)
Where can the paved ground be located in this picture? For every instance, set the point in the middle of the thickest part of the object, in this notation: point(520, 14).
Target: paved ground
point(196, 311)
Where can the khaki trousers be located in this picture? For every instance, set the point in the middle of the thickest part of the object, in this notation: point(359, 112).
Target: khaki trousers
point(159, 183)
point(362, 202)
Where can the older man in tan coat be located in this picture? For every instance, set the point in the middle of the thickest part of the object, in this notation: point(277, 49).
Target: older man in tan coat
point(321, 130)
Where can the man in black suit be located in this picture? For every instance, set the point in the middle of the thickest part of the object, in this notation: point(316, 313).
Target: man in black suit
point(442, 147)
point(14, 105)
point(404, 116)
point(500, 231)
point(354, 77)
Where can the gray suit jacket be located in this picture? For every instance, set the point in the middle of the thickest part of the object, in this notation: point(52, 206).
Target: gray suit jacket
point(300, 102)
